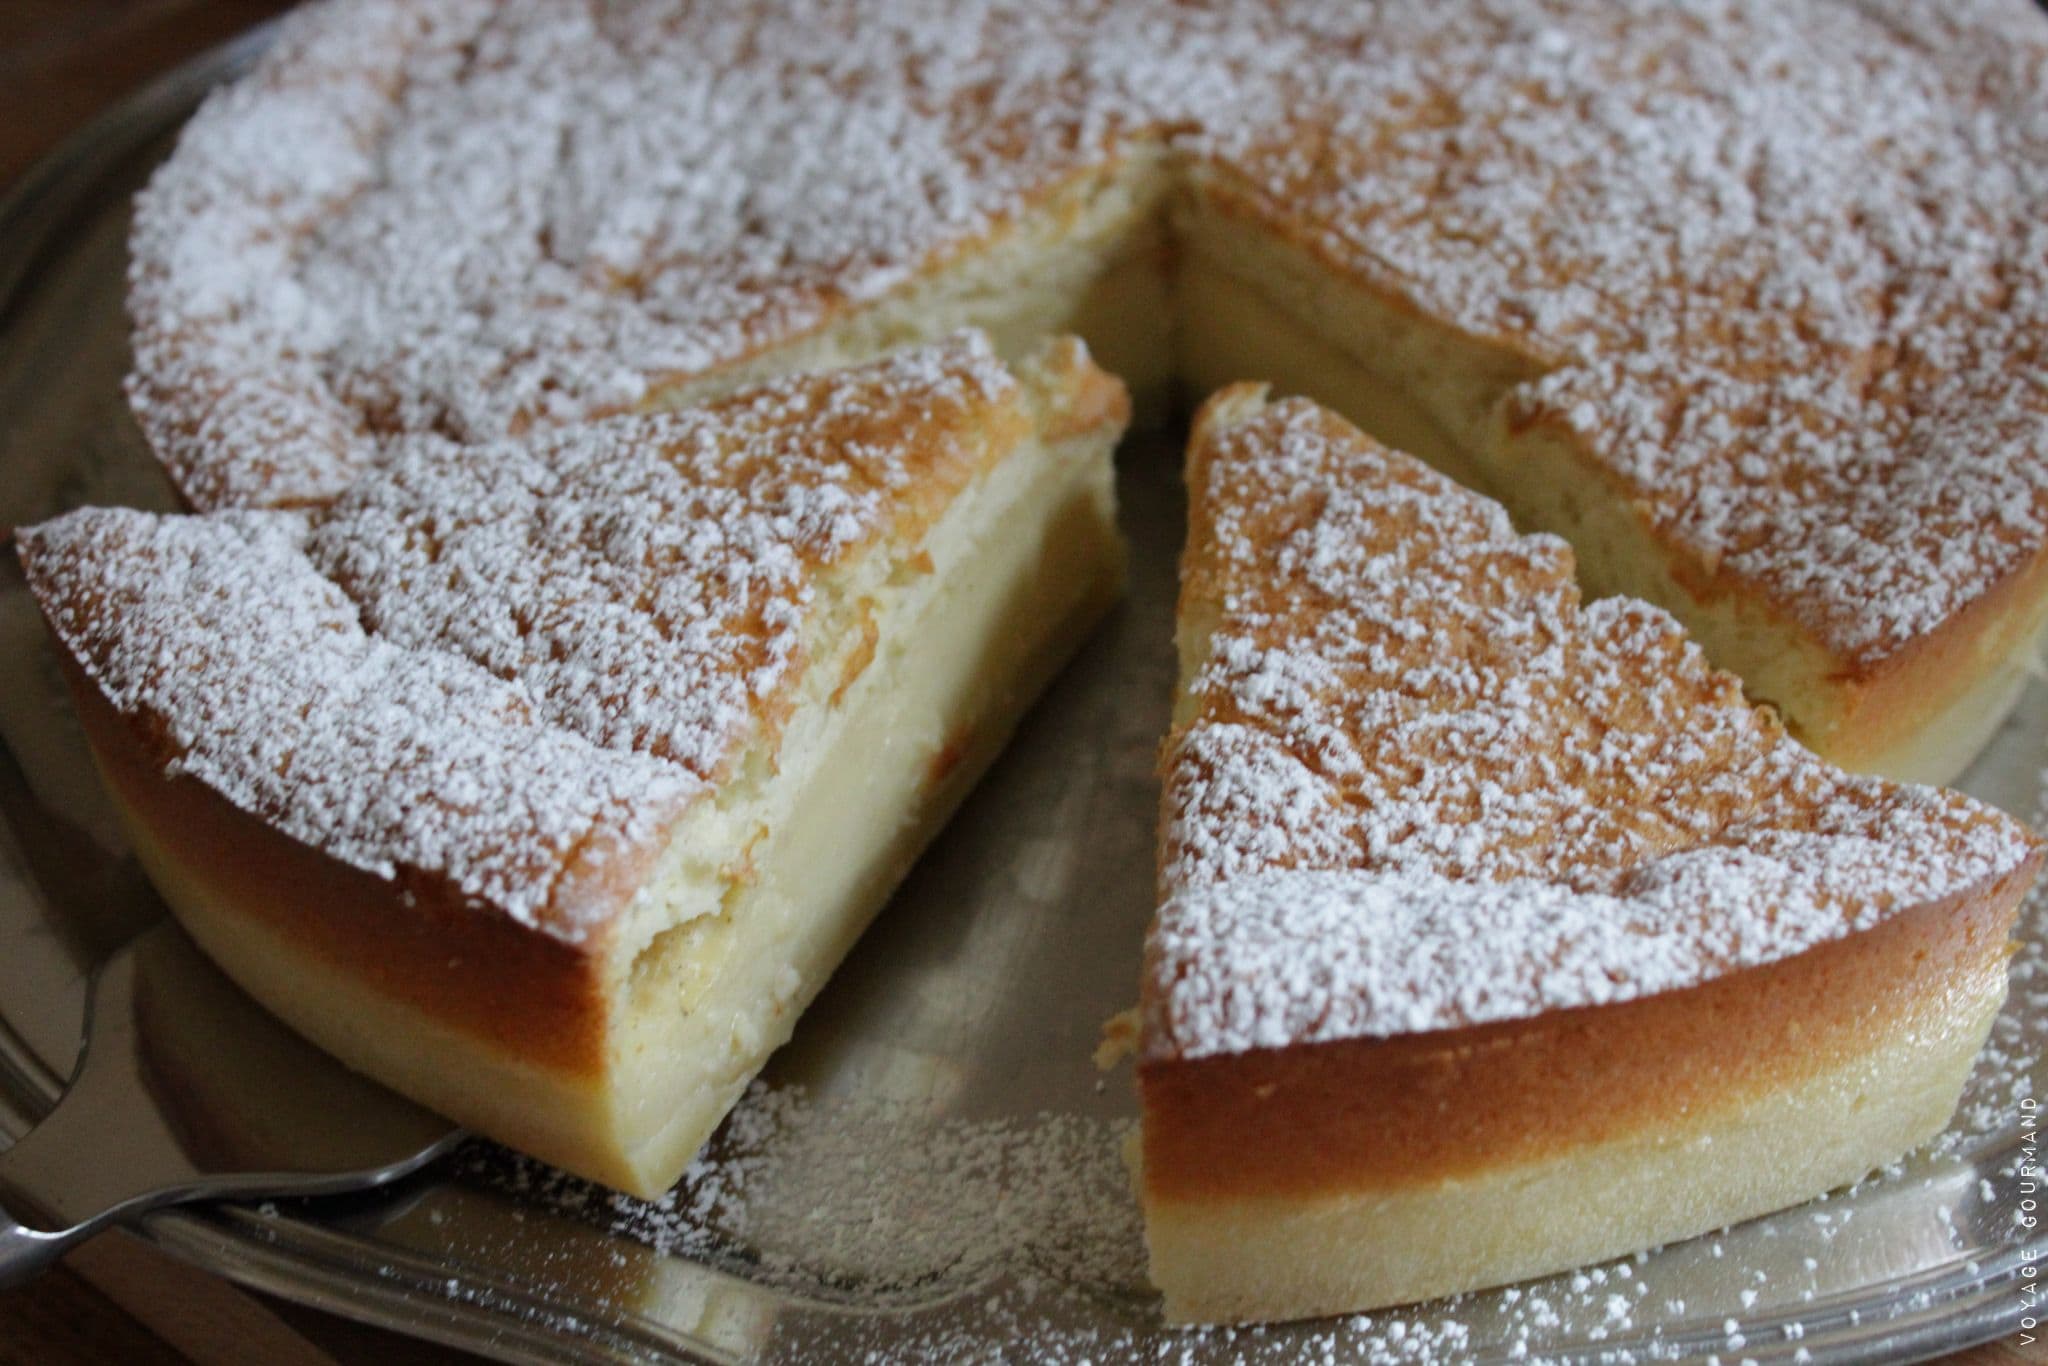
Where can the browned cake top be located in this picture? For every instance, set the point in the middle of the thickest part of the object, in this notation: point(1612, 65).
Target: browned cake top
point(1419, 785)
point(506, 667)
point(1785, 266)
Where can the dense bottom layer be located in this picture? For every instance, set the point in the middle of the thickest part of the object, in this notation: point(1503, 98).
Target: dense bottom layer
point(915, 733)
point(1337, 1251)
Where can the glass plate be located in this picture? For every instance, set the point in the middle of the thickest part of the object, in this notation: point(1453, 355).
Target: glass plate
point(930, 1169)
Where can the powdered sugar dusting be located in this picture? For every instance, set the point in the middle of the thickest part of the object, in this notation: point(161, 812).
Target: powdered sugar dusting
point(977, 1238)
point(218, 634)
point(511, 666)
point(647, 578)
point(537, 212)
point(1422, 786)
point(1784, 264)
point(889, 1198)
point(1781, 265)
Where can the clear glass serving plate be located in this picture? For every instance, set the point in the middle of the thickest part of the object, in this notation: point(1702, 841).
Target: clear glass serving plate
point(931, 1169)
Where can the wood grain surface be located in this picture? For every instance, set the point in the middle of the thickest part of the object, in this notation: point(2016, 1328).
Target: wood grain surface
point(117, 1300)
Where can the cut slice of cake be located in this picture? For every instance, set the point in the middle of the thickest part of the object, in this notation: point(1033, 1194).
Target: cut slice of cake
point(1499, 933)
point(545, 780)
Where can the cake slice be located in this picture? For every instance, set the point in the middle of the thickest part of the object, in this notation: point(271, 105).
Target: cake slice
point(1499, 933)
point(545, 780)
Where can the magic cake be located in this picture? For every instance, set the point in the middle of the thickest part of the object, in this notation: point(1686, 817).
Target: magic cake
point(494, 718)
point(1749, 301)
point(546, 779)
point(1499, 933)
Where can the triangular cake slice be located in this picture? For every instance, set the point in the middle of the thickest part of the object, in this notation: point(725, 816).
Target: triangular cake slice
point(546, 779)
point(1498, 933)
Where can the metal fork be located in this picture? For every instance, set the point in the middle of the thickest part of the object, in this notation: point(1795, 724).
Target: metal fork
point(186, 1090)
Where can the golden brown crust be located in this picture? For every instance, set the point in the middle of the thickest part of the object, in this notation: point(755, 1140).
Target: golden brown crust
point(517, 988)
point(1365, 1115)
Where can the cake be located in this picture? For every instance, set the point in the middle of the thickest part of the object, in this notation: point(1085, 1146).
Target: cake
point(584, 491)
point(1747, 301)
point(1498, 932)
point(545, 779)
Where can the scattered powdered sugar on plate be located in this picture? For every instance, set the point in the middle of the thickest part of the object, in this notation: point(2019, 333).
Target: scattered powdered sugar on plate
point(877, 1201)
point(981, 1238)
point(880, 1194)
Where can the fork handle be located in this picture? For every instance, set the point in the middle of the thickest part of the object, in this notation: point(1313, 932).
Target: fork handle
point(26, 1253)
point(118, 1144)
point(92, 1160)
point(73, 1174)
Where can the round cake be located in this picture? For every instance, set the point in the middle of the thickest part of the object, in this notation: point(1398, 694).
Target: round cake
point(473, 335)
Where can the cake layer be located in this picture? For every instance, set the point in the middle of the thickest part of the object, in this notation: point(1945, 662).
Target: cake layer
point(596, 994)
point(1516, 935)
point(1021, 574)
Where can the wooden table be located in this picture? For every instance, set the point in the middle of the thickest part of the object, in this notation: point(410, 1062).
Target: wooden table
point(62, 61)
